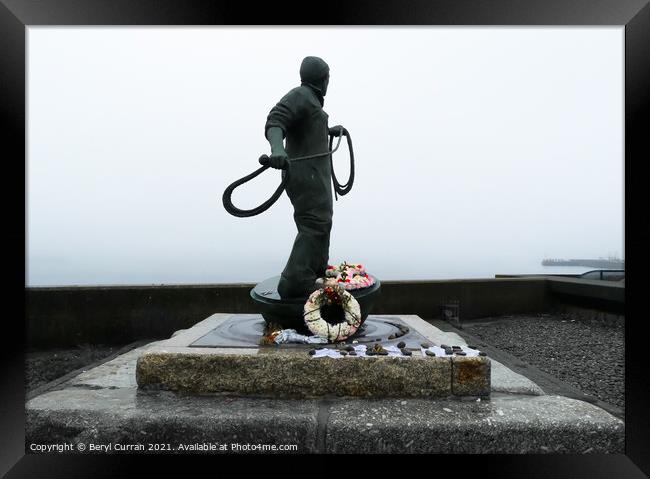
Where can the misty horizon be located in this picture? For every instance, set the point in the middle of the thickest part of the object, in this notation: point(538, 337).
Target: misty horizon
point(479, 151)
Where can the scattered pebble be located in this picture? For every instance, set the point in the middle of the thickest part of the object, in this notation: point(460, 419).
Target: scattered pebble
point(429, 353)
point(349, 348)
point(406, 352)
point(401, 344)
point(425, 345)
point(343, 353)
point(353, 353)
point(482, 353)
point(377, 349)
point(312, 352)
point(460, 353)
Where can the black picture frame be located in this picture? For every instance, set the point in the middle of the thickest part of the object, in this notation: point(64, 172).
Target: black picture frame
point(16, 15)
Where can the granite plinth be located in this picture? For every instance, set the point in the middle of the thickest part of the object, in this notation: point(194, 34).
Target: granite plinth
point(298, 375)
point(180, 364)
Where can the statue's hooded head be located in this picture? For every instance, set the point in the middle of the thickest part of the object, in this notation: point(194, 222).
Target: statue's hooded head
point(315, 73)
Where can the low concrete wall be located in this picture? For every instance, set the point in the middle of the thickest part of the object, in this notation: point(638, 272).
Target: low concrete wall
point(589, 295)
point(478, 297)
point(67, 316)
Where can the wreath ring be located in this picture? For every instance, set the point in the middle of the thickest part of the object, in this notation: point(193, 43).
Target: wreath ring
point(329, 295)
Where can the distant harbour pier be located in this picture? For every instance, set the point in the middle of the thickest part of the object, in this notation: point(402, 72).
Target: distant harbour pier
point(610, 263)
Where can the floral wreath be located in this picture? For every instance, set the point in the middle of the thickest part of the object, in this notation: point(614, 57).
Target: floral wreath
point(330, 295)
point(349, 276)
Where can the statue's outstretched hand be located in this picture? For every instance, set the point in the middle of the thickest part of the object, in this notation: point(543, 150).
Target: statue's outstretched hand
point(336, 130)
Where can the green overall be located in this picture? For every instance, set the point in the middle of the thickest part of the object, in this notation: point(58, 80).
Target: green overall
point(301, 117)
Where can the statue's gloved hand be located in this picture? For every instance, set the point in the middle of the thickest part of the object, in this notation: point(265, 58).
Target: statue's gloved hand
point(336, 131)
point(279, 161)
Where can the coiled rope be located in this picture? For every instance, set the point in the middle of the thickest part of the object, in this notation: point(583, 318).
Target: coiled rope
point(339, 189)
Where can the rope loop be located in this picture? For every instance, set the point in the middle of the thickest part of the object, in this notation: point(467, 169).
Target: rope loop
point(338, 188)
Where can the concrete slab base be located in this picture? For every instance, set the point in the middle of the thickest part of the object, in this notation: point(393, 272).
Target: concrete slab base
point(104, 410)
point(114, 418)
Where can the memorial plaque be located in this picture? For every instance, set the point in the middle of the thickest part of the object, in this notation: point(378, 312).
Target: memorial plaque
point(246, 330)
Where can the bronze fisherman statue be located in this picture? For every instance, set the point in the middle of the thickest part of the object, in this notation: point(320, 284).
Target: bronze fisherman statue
point(307, 176)
point(301, 147)
point(299, 117)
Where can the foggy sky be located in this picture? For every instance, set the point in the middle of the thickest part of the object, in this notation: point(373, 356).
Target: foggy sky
point(478, 150)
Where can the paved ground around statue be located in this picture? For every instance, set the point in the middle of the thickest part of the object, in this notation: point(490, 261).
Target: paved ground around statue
point(103, 406)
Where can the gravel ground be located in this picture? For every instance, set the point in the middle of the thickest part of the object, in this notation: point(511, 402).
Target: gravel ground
point(587, 355)
point(44, 366)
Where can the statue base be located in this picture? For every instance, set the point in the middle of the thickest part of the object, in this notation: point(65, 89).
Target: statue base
point(288, 312)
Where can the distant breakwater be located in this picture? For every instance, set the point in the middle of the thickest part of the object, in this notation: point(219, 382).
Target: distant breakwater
point(590, 263)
